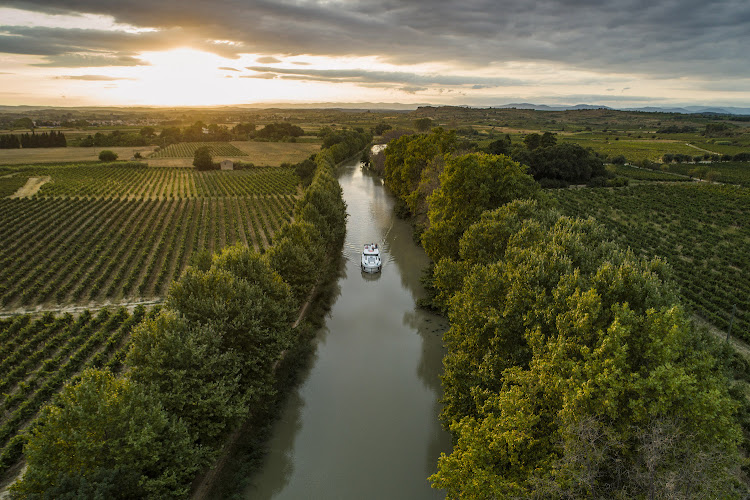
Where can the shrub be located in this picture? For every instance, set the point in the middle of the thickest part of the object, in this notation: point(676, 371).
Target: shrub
point(107, 155)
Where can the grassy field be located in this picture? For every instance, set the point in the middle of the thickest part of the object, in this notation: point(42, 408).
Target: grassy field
point(701, 230)
point(102, 233)
point(64, 155)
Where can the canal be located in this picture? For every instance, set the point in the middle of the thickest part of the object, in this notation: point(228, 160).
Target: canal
point(364, 420)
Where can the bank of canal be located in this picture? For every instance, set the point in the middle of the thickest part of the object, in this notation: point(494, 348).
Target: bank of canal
point(364, 421)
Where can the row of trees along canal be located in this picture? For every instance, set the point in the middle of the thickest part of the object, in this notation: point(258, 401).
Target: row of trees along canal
point(195, 371)
point(573, 371)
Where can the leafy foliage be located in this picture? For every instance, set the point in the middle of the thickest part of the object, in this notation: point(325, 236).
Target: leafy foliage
point(107, 155)
point(557, 336)
point(203, 159)
point(469, 185)
point(278, 131)
point(103, 422)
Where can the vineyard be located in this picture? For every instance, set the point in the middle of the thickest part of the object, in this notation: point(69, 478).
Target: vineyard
point(633, 150)
point(100, 233)
point(702, 231)
point(136, 181)
point(37, 356)
point(641, 174)
point(187, 150)
point(725, 172)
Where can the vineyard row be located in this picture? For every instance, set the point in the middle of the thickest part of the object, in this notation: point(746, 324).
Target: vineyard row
point(135, 181)
point(65, 250)
point(702, 231)
point(39, 355)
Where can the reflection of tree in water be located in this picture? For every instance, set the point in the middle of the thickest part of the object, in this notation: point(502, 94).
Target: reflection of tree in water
point(278, 467)
point(431, 327)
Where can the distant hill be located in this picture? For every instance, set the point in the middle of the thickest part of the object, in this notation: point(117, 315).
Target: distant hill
point(391, 106)
point(724, 110)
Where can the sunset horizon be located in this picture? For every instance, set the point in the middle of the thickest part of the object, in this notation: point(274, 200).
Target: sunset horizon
point(474, 54)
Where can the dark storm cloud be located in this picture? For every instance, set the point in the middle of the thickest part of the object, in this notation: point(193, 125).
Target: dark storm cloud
point(664, 38)
point(364, 76)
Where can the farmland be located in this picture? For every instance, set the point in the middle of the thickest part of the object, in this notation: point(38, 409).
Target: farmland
point(103, 233)
point(187, 150)
point(63, 155)
point(38, 355)
point(701, 230)
point(725, 172)
point(642, 174)
point(136, 181)
point(632, 149)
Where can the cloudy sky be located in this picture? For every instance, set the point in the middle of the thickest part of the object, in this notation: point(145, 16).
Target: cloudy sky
point(475, 52)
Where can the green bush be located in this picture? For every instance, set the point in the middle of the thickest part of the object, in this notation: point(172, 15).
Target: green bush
point(107, 155)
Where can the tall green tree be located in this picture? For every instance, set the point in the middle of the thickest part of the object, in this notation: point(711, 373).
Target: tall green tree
point(246, 303)
point(469, 185)
point(565, 337)
point(102, 423)
point(202, 158)
point(194, 375)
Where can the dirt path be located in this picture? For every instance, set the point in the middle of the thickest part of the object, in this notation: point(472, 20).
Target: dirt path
point(741, 347)
point(701, 149)
point(32, 187)
point(77, 309)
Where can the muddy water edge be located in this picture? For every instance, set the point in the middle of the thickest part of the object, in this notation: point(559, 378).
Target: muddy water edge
point(363, 421)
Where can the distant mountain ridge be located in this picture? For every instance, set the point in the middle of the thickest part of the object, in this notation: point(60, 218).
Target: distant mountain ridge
point(723, 110)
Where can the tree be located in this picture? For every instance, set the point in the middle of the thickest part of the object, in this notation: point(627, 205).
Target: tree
point(380, 128)
point(247, 304)
point(202, 158)
point(548, 140)
point(699, 172)
point(564, 337)
point(532, 141)
point(567, 162)
point(469, 185)
point(107, 155)
point(619, 160)
point(500, 146)
point(278, 131)
point(197, 379)
point(103, 423)
point(423, 124)
point(408, 156)
point(147, 131)
point(24, 123)
point(296, 254)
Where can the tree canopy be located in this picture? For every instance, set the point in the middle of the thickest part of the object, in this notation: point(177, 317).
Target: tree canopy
point(202, 158)
point(469, 185)
point(568, 359)
point(103, 426)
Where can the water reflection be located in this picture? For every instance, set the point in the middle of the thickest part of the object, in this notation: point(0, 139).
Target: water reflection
point(364, 421)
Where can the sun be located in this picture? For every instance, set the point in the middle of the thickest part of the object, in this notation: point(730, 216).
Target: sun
point(178, 77)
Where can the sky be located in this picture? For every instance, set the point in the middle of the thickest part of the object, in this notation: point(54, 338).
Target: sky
point(625, 53)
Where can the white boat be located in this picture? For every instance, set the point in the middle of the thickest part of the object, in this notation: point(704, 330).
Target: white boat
point(371, 259)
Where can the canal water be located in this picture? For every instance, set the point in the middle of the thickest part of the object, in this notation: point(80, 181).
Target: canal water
point(364, 421)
